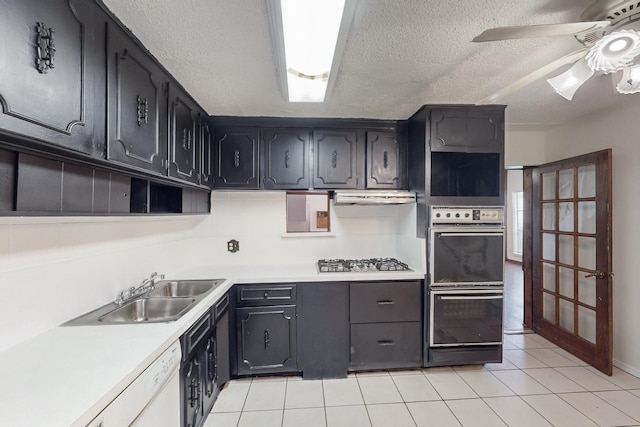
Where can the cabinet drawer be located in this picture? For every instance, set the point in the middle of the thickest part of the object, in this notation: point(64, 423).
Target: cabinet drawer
point(196, 334)
point(385, 302)
point(386, 345)
point(220, 307)
point(266, 294)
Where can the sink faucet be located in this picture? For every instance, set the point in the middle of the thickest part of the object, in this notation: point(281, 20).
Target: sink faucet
point(145, 286)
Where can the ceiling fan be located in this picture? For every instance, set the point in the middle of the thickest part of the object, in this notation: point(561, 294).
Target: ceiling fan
point(606, 48)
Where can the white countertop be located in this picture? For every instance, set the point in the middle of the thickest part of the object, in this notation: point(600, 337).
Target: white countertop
point(66, 376)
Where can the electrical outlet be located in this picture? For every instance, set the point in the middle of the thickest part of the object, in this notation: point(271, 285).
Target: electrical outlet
point(233, 246)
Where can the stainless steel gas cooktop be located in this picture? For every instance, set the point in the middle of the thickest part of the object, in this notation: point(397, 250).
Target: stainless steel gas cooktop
point(361, 265)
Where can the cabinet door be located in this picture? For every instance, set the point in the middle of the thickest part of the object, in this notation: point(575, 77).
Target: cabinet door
point(236, 158)
point(209, 374)
point(185, 137)
point(137, 99)
point(191, 392)
point(285, 159)
point(266, 339)
point(324, 334)
point(385, 160)
point(47, 86)
point(336, 157)
point(467, 129)
point(222, 350)
point(205, 155)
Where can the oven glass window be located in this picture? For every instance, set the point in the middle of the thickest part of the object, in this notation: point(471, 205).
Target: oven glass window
point(459, 319)
point(467, 258)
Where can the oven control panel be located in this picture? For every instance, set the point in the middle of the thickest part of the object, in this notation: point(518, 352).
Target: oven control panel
point(467, 215)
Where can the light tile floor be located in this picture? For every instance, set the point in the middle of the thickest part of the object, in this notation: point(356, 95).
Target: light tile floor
point(537, 385)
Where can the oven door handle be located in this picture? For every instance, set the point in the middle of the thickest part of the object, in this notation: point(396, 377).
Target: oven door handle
point(445, 297)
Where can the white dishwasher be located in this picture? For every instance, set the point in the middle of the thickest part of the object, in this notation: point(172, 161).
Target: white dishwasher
point(151, 400)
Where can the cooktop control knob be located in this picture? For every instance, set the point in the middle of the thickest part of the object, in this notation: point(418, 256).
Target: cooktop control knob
point(448, 215)
point(457, 215)
point(466, 215)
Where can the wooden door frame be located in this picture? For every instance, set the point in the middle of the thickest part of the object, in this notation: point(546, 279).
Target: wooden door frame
point(527, 246)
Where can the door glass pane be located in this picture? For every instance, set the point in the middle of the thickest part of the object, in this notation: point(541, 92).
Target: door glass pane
point(566, 315)
point(587, 324)
point(586, 289)
point(586, 217)
point(565, 213)
point(548, 216)
point(587, 181)
point(587, 252)
point(549, 307)
point(565, 188)
point(565, 281)
point(549, 276)
point(549, 246)
point(548, 186)
point(565, 249)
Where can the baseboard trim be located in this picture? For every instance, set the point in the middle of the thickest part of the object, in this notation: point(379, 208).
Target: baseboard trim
point(628, 369)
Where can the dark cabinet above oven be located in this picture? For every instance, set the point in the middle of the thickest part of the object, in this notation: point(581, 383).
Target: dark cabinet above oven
point(299, 154)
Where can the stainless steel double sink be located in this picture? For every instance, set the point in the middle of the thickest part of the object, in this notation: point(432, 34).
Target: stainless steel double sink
point(168, 301)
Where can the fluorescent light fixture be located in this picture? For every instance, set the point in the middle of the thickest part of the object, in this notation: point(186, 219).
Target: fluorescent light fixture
point(567, 83)
point(310, 29)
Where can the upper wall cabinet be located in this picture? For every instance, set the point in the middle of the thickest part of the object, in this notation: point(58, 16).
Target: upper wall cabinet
point(285, 158)
point(184, 137)
point(137, 99)
point(465, 129)
point(236, 157)
point(48, 83)
point(385, 160)
point(336, 155)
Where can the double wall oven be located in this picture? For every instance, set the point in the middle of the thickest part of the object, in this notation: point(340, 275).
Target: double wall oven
point(465, 285)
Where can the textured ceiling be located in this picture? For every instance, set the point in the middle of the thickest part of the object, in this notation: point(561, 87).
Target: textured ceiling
point(399, 55)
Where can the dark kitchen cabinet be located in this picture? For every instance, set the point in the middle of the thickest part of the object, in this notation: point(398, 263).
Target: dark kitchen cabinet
point(68, 187)
point(51, 73)
point(266, 329)
point(205, 154)
point(385, 325)
point(467, 129)
point(385, 160)
point(184, 139)
point(138, 103)
point(191, 392)
point(285, 158)
point(324, 330)
point(336, 156)
point(8, 168)
point(456, 157)
point(236, 158)
point(267, 340)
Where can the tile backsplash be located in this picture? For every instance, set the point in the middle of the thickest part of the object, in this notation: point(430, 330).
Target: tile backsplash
point(65, 266)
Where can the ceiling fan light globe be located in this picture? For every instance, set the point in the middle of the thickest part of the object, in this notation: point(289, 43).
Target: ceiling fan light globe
point(614, 51)
point(567, 83)
point(630, 82)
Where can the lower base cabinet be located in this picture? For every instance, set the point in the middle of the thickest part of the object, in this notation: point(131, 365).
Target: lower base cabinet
point(386, 345)
point(266, 339)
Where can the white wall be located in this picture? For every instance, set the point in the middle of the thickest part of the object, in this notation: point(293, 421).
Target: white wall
point(524, 145)
point(618, 129)
point(55, 269)
point(257, 220)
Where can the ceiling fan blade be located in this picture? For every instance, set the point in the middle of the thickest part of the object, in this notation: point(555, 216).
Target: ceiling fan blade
point(526, 31)
point(532, 77)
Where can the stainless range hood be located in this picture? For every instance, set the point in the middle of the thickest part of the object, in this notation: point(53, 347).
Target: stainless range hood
point(373, 197)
